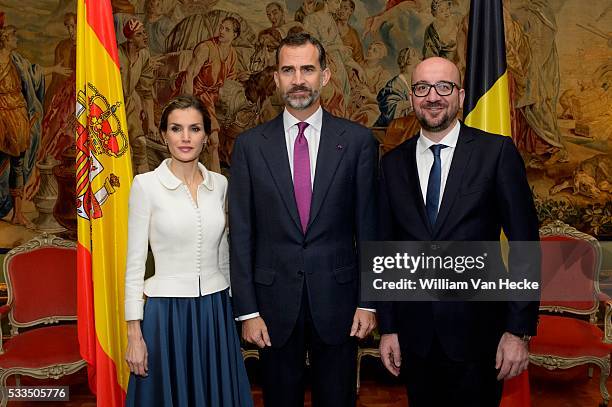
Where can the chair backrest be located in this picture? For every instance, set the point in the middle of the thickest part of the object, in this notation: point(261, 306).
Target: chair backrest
point(42, 281)
point(571, 262)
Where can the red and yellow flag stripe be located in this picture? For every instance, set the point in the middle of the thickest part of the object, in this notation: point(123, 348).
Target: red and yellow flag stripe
point(104, 175)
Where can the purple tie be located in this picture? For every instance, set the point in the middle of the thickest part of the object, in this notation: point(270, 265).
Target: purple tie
point(301, 175)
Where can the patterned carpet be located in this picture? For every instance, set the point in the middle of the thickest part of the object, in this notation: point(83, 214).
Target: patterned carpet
point(571, 388)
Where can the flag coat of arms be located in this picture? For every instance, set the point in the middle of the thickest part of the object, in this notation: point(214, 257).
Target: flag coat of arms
point(103, 178)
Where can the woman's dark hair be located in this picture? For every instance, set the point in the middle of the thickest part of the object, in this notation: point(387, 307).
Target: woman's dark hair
point(183, 102)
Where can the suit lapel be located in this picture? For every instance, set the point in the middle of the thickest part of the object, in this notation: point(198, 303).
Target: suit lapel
point(274, 151)
point(331, 150)
point(411, 177)
point(461, 157)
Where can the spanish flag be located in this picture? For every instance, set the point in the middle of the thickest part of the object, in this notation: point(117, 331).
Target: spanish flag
point(487, 107)
point(103, 178)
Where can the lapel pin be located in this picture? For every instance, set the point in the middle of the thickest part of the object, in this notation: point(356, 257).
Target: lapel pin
point(339, 147)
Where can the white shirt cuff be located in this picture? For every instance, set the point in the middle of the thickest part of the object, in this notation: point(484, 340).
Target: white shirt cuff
point(256, 314)
point(247, 316)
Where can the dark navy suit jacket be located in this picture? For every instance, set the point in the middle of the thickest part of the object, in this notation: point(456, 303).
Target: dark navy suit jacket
point(486, 191)
point(271, 258)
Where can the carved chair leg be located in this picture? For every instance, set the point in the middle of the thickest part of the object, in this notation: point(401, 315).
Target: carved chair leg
point(359, 355)
point(603, 378)
point(590, 372)
point(4, 375)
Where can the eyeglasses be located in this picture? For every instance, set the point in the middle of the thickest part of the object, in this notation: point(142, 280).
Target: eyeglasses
point(443, 88)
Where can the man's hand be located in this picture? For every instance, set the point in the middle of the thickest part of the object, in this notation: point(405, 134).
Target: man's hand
point(364, 322)
point(512, 356)
point(254, 330)
point(390, 353)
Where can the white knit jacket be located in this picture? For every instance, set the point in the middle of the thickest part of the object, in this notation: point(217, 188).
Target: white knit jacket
point(189, 241)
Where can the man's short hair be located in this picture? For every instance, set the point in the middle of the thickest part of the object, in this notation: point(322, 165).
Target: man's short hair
point(302, 38)
point(235, 24)
point(275, 4)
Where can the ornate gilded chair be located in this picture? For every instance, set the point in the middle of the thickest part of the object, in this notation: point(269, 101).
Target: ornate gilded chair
point(568, 334)
point(41, 308)
point(368, 348)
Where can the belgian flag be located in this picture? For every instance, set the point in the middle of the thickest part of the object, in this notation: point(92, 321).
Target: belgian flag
point(487, 100)
point(487, 107)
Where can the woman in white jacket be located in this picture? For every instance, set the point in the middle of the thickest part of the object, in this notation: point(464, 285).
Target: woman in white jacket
point(183, 349)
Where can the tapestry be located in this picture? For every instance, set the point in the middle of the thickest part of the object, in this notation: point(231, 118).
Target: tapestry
point(559, 56)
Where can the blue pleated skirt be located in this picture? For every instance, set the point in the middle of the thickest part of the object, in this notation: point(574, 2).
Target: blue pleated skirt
point(194, 355)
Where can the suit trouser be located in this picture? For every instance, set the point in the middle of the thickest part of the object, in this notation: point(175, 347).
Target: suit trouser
point(333, 367)
point(436, 381)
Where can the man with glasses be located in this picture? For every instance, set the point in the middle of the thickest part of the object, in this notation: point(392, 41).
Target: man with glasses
point(454, 183)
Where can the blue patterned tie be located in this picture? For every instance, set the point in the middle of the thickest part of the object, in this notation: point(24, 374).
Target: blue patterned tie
point(433, 185)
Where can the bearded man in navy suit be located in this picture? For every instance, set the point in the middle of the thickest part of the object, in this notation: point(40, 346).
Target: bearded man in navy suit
point(301, 197)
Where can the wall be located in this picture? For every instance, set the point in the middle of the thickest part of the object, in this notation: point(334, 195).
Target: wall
point(559, 56)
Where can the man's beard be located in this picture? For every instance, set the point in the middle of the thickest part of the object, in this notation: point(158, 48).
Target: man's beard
point(303, 102)
point(441, 123)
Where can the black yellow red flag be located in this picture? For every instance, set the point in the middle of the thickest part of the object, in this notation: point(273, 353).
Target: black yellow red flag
point(487, 107)
point(487, 101)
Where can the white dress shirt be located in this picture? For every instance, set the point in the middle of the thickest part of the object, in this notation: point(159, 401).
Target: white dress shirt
point(425, 159)
point(313, 136)
point(188, 238)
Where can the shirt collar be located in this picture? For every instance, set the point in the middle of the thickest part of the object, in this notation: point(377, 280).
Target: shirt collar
point(171, 181)
point(449, 140)
point(315, 120)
